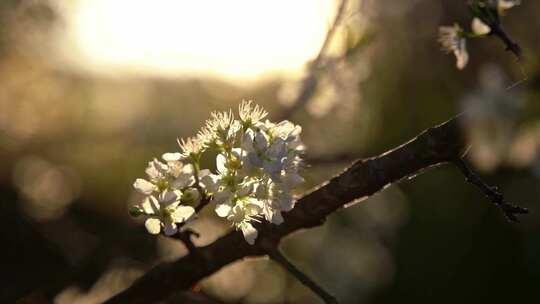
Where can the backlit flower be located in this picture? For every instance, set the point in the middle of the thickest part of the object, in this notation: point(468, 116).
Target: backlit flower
point(452, 40)
point(165, 212)
point(256, 170)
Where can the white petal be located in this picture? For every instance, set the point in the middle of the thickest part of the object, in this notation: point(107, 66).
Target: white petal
point(277, 218)
point(169, 228)
point(171, 157)
point(221, 161)
point(188, 169)
point(507, 4)
point(144, 186)
point(150, 205)
point(272, 215)
point(278, 149)
point(182, 181)
point(152, 171)
point(293, 179)
point(479, 27)
point(461, 54)
point(182, 214)
point(155, 169)
point(262, 191)
point(253, 202)
point(462, 59)
point(210, 182)
point(234, 127)
point(249, 232)
point(245, 189)
point(153, 225)
point(286, 204)
point(255, 160)
point(168, 198)
point(273, 167)
point(260, 141)
point(247, 141)
point(224, 209)
point(296, 131)
point(222, 196)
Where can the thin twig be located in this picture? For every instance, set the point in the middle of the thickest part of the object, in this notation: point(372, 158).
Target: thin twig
point(310, 83)
point(332, 30)
point(278, 257)
point(510, 211)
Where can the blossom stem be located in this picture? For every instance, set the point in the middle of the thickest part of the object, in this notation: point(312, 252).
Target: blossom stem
point(276, 255)
point(204, 200)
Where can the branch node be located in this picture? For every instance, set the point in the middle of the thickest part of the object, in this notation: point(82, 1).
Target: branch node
point(184, 235)
point(492, 192)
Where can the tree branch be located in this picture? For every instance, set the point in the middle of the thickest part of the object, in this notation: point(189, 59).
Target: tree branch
point(440, 144)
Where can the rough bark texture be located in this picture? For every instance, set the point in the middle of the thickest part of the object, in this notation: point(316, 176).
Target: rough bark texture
point(365, 177)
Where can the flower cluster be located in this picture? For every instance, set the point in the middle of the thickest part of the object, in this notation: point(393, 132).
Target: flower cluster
point(486, 18)
point(257, 168)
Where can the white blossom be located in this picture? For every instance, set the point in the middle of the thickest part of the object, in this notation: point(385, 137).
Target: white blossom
point(170, 176)
point(503, 5)
point(480, 28)
point(242, 215)
point(165, 212)
point(251, 114)
point(257, 168)
point(192, 146)
point(452, 40)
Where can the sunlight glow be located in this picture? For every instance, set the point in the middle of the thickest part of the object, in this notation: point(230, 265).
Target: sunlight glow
point(234, 38)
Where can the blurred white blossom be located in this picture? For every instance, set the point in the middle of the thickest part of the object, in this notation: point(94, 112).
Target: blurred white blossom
point(492, 118)
point(503, 5)
point(479, 28)
point(452, 40)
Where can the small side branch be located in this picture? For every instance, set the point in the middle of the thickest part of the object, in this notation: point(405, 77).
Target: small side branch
point(510, 211)
point(310, 83)
point(509, 43)
point(278, 257)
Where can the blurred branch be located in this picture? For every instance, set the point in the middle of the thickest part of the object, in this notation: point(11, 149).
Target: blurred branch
point(311, 81)
point(278, 257)
point(437, 145)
